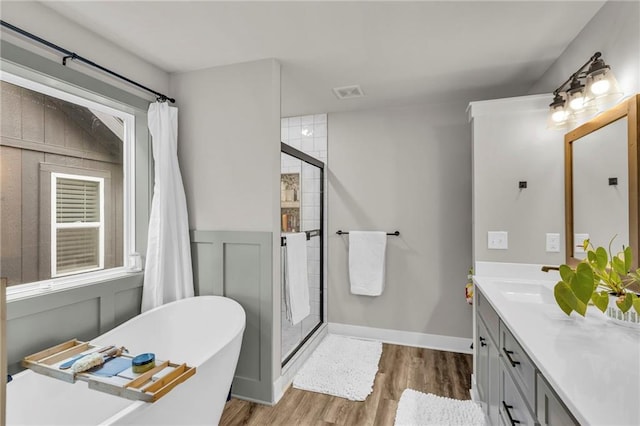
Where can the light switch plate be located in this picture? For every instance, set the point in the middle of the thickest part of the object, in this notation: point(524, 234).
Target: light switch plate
point(553, 243)
point(498, 240)
point(578, 241)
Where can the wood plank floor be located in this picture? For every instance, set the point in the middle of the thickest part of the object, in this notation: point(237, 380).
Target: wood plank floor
point(438, 372)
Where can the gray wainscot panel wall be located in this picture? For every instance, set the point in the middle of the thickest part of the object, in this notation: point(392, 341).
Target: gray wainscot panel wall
point(38, 322)
point(238, 265)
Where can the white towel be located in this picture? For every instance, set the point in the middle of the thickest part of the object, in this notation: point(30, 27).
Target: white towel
point(366, 262)
point(296, 278)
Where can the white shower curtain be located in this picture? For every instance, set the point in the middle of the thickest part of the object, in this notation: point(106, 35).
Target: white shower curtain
point(168, 274)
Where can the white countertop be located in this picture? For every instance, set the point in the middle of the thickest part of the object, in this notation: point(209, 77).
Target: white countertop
point(591, 363)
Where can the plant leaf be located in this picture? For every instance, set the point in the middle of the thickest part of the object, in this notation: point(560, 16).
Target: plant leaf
point(636, 304)
point(566, 273)
point(591, 256)
point(600, 300)
point(628, 258)
point(618, 265)
point(564, 297)
point(567, 300)
point(602, 257)
point(582, 284)
point(626, 302)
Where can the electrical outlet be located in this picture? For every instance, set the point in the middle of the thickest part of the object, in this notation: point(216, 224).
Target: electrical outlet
point(578, 242)
point(497, 240)
point(553, 243)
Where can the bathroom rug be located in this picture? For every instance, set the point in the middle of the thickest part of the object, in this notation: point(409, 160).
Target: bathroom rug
point(341, 366)
point(426, 409)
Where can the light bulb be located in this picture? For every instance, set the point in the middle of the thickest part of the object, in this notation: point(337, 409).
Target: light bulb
point(559, 116)
point(577, 103)
point(600, 87)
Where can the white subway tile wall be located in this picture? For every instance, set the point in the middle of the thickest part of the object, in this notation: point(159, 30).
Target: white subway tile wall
point(308, 134)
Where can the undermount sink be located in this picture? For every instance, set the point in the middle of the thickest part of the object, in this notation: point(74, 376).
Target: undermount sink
point(525, 292)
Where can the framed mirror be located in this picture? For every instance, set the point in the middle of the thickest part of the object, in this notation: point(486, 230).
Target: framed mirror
point(601, 182)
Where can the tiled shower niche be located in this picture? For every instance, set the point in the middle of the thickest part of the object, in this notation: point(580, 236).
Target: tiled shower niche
point(290, 196)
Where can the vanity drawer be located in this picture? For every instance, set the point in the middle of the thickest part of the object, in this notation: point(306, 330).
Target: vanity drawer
point(488, 315)
point(513, 408)
point(518, 364)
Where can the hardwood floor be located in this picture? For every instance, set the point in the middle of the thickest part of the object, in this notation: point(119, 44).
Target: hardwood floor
point(425, 370)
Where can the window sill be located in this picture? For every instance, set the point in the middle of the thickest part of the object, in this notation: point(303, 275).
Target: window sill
point(25, 291)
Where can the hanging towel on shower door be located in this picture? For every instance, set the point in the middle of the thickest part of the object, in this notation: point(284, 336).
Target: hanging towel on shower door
point(366, 262)
point(295, 278)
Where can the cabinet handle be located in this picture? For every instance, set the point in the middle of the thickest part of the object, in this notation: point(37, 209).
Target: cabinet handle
point(506, 409)
point(508, 354)
point(482, 339)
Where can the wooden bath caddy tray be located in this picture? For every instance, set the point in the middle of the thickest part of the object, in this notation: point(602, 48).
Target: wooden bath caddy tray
point(142, 388)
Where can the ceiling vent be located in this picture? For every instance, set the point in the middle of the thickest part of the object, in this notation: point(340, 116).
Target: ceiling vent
point(348, 92)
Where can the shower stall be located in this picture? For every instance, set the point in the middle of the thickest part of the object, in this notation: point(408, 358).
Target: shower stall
point(302, 210)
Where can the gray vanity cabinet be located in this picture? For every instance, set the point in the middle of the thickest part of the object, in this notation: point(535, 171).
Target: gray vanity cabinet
point(488, 359)
point(507, 383)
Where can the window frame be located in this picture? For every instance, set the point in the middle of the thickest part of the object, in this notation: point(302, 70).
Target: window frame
point(130, 117)
point(55, 225)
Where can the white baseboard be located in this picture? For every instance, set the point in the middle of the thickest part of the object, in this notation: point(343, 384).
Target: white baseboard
point(405, 338)
point(278, 389)
point(473, 391)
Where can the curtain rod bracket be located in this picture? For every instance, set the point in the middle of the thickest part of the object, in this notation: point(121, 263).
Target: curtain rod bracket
point(73, 56)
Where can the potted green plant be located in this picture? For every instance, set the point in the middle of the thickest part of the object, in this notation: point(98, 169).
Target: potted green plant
point(604, 279)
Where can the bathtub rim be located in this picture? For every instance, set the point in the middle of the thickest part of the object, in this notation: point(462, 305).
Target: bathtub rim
point(236, 333)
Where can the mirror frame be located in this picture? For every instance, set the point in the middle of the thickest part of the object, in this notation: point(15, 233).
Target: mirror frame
point(627, 108)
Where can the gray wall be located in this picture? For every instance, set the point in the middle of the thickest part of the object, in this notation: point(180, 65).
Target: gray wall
point(238, 265)
point(406, 169)
point(614, 31)
point(229, 151)
point(39, 322)
point(511, 144)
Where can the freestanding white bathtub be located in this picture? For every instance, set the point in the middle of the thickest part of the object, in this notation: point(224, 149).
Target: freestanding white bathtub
point(205, 332)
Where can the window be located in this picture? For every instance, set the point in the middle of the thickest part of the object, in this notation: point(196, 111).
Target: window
point(67, 185)
point(77, 231)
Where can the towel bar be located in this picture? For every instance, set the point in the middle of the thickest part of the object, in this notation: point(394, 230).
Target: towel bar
point(312, 233)
point(340, 232)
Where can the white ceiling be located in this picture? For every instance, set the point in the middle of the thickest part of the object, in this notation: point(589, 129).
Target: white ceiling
point(398, 52)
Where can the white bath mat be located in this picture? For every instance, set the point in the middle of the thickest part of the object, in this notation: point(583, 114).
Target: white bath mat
point(341, 366)
point(425, 409)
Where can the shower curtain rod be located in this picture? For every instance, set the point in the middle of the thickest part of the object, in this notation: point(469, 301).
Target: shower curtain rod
point(73, 56)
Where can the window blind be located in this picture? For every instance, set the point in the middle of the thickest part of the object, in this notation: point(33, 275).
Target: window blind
point(77, 201)
point(77, 225)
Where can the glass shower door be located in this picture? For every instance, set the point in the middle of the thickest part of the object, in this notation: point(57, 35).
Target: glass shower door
point(301, 208)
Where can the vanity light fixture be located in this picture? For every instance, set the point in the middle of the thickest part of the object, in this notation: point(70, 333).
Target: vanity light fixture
point(587, 92)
